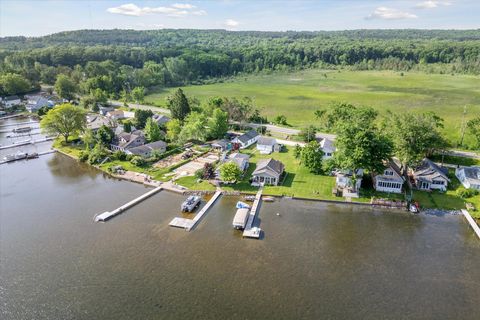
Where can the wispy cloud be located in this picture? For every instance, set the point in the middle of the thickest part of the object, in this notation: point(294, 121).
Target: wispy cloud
point(175, 10)
point(430, 4)
point(231, 23)
point(390, 14)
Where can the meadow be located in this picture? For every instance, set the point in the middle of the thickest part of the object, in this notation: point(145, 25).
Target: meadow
point(297, 95)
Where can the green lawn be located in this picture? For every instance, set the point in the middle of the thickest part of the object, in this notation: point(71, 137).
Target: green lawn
point(298, 95)
point(191, 183)
point(456, 160)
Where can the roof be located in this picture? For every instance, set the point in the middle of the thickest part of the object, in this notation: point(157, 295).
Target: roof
point(239, 159)
point(266, 141)
point(472, 174)
point(129, 137)
point(269, 166)
point(428, 170)
point(327, 144)
point(160, 118)
point(95, 122)
point(241, 216)
point(221, 143)
point(157, 145)
point(244, 138)
point(11, 98)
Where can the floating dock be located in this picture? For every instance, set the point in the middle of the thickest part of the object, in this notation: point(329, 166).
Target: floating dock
point(189, 224)
point(24, 143)
point(250, 231)
point(17, 123)
point(110, 214)
point(472, 222)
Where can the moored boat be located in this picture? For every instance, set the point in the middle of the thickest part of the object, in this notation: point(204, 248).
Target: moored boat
point(240, 219)
point(268, 199)
point(190, 203)
point(22, 129)
point(249, 198)
point(242, 205)
point(15, 156)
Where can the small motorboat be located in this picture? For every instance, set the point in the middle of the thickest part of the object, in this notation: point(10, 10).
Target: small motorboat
point(33, 155)
point(22, 129)
point(16, 156)
point(413, 208)
point(242, 205)
point(249, 198)
point(268, 199)
point(190, 203)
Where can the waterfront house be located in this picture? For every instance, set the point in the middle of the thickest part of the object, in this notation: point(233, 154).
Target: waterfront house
point(95, 121)
point(103, 110)
point(120, 114)
point(221, 145)
point(268, 172)
point(11, 101)
point(146, 150)
point(469, 177)
point(247, 139)
point(36, 102)
point(345, 183)
point(267, 145)
point(391, 179)
point(240, 159)
point(328, 148)
point(160, 119)
point(125, 140)
point(429, 176)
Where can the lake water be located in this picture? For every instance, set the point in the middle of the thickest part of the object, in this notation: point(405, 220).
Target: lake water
point(316, 260)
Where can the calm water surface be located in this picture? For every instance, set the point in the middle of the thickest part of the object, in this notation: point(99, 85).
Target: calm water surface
point(316, 261)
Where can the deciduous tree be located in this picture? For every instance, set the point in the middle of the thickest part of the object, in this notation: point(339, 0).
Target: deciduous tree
point(230, 172)
point(64, 120)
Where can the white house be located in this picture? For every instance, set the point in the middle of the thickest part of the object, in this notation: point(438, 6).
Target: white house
point(11, 101)
point(469, 177)
point(267, 145)
point(120, 114)
point(247, 139)
point(391, 179)
point(344, 182)
point(429, 176)
point(268, 172)
point(327, 147)
point(146, 150)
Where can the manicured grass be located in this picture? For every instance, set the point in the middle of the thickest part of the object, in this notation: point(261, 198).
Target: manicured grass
point(71, 149)
point(191, 183)
point(298, 95)
point(456, 160)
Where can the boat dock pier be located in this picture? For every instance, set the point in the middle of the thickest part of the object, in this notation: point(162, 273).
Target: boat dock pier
point(250, 231)
point(24, 143)
point(110, 214)
point(17, 123)
point(472, 222)
point(189, 224)
point(38, 154)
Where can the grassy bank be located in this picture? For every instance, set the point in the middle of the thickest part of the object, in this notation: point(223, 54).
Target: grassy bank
point(298, 95)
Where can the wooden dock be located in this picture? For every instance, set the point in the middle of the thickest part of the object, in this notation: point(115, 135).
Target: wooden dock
point(189, 224)
point(472, 222)
point(110, 214)
point(250, 231)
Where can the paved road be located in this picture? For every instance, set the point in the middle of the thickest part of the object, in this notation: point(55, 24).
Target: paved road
point(139, 106)
point(289, 131)
point(464, 154)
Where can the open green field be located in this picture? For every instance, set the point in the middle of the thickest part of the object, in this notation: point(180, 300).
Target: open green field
point(298, 95)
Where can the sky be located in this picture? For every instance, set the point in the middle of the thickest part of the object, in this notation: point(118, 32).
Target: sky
point(42, 17)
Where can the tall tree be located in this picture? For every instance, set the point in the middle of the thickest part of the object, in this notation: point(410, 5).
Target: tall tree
point(178, 105)
point(11, 84)
point(311, 157)
point(230, 172)
point(174, 127)
point(152, 131)
point(64, 120)
point(194, 127)
point(141, 117)
point(473, 126)
point(218, 124)
point(138, 94)
point(65, 87)
point(104, 135)
point(308, 134)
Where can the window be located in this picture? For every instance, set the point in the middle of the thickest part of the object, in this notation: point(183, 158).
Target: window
point(439, 182)
point(388, 173)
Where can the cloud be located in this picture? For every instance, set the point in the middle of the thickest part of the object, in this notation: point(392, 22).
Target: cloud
point(231, 23)
point(430, 4)
point(175, 10)
point(389, 14)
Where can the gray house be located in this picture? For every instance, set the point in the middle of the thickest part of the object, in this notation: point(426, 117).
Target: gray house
point(36, 102)
point(160, 119)
point(469, 177)
point(220, 145)
point(429, 176)
point(240, 159)
point(146, 150)
point(391, 179)
point(247, 139)
point(267, 145)
point(268, 172)
point(125, 141)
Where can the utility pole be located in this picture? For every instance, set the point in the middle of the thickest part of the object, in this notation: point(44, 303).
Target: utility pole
point(464, 125)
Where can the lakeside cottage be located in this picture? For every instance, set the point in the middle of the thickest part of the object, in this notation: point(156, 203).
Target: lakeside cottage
point(103, 110)
point(240, 159)
point(125, 141)
point(120, 114)
point(267, 172)
point(160, 119)
point(391, 179)
point(94, 122)
point(429, 176)
point(146, 150)
point(469, 177)
point(247, 139)
point(267, 145)
point(36, 102)
point(344, 182)
point(11, 101)
point(221, 145)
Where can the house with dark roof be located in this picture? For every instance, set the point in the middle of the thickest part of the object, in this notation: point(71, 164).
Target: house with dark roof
point(36, 102)
point(147, 150)
point(267, 145)
point(11, 101)
point(391, 179)
point(95, 121)
point(221, 145)
point(160, 119)
point(430, 176)
point(268, 172)
point(125, 140)
point(247, 139)
point(469, 177)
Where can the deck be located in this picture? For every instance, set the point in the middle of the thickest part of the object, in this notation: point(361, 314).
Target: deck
point(250, 231)
point(189, 224)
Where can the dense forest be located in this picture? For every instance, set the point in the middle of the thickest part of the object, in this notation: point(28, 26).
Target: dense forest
point(116, 61)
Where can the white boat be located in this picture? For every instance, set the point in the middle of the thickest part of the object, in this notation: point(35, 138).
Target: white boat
point(249, 198)
point(16, 156)
point(268, 199)
point(240, 219)
point(413, 208)
point(242, 205)
point(190, 203)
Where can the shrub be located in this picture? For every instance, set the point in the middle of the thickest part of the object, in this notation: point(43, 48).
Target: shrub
point(137, 161)
point(97, 154)
point(466, 193)
point(83, 156)
point(120, 155)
